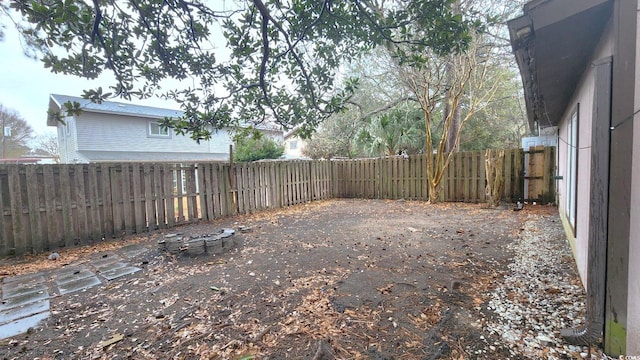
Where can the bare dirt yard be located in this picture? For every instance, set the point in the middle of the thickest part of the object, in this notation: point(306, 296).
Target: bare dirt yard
point(344, 279)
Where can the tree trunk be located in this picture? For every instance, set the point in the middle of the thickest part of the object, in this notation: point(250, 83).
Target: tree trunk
point(452, 145)
point(451, 109)
point(494, 164)
point(434, 192)
point(435, 169)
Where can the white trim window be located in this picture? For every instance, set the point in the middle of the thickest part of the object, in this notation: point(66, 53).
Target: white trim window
point(67, 127)
point(572, 167)
point(155, 130)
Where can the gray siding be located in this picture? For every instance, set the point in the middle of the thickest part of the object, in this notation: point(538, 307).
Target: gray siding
point(107, 132)
point(112, 131)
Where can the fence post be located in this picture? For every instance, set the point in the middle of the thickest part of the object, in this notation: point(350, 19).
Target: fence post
point(82, 218)
point(229, 195)
point(149, 209)
point(37, 238)
point(15, 201)
point(65, 186)
point(138, 211)
point(170, 206)
point(548, 190)
point(518, 163)
point(96, 223)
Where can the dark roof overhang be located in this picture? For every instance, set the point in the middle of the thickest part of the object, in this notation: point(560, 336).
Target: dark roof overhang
point(553, 43)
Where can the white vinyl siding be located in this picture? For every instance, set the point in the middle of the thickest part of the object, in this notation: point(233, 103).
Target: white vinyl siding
point(107, 132)
point(68, 141)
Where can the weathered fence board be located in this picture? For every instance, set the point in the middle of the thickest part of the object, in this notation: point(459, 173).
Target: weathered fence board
point(44, 207)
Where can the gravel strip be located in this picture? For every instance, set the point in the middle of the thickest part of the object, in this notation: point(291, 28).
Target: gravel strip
point(541, 295)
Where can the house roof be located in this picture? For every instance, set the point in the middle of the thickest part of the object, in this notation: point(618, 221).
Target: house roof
point(118, 108)
point(553, 42)
point(112, 107)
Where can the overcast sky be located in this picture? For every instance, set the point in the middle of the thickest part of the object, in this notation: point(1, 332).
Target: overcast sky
point(25, 84)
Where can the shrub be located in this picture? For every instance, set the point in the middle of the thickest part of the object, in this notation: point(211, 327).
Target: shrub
point(254, 148)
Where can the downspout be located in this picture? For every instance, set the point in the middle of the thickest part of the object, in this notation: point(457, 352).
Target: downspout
point(592, 331)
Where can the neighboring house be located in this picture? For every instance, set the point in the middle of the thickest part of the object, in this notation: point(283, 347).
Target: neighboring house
point(581, 72)
point(293, 145)
point(113, 131)
point(272, 131)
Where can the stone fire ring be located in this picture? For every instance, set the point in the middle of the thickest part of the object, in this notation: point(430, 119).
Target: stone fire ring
point(216, 243)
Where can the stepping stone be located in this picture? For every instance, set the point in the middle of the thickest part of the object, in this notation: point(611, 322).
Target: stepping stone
point(133, 250)
point(110, 266)
point(25, 279)
point(82, 274)
point(23, 299)
point(112, 258)
point(24, 311)
point(12, 290)
point(23, 325)
point(119, 272)
point(78, 284)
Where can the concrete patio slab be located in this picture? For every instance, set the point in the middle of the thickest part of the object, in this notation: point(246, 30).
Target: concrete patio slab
point(67, 277)
point(23, 299)
point(110, 266)
point(78, 284)
point(23, 325)
point(25, 279)
point(13, 289)
point(105, 261)
point(119, 272)
point(68, 270)
point(24, 311)
point(133, 250)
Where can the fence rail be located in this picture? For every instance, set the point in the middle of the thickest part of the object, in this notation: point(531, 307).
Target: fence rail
point(44, 207)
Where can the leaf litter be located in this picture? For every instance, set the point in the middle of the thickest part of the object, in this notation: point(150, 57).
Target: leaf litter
point(346, 279)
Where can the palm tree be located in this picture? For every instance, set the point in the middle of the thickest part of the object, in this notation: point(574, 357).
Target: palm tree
point(392, 133)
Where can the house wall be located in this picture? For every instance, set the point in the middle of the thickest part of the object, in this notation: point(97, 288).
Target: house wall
point(633, 305)
point(67, 142)
point(275, 135)
point(583, 97)
point(100, 132)
point(97, 137)
point(299, 146)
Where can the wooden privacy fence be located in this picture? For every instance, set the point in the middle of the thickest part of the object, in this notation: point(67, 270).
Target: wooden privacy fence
point(44, 207)
point(405, 177)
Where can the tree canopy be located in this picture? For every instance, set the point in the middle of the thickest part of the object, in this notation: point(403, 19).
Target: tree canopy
point(250, 61)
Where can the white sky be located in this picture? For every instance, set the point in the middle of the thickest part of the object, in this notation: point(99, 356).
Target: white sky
point(25, 85)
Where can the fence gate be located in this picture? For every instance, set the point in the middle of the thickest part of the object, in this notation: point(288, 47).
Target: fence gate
point(538, 177)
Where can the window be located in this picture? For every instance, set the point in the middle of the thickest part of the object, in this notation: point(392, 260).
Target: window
point(293, 144)
point(155, 130)
point(67, 127)
point(572, 168)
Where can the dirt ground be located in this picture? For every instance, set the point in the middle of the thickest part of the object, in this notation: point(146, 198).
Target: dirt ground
point(345, 279)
